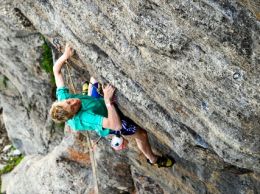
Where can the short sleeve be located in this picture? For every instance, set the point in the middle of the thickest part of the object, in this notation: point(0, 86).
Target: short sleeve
point(62, 93)
point(88, 121)
point(93, 121)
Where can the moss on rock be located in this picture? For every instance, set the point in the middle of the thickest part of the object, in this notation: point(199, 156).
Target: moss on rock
point(11, 164)
point(47, 61)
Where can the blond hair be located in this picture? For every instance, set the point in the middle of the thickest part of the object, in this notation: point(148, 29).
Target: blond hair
point(58, 114)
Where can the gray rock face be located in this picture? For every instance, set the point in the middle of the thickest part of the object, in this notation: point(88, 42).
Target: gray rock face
point(111, 169)
point(25, 91)
point(187, 71)
point(61, 171)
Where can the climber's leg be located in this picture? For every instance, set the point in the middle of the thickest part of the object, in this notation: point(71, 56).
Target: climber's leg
point(143, 144)
point(129, 128)
point(92, 82)
point(91, 88)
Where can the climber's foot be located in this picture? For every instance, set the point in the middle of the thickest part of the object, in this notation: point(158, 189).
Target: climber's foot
point(85, 88)
point(163, 161)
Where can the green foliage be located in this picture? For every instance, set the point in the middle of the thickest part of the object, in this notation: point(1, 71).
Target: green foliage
point(13, 148)
point(46, 60)
point(13, 162)
point(60, 125)
point(5, 81)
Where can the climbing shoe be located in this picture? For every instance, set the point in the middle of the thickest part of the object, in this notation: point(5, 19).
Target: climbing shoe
point(163, 161)
point(85, 88)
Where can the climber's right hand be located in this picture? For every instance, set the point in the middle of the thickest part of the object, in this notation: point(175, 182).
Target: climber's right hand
point(108, 91)
point(68, 51)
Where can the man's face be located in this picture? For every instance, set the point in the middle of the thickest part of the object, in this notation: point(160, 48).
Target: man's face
point(71, 105)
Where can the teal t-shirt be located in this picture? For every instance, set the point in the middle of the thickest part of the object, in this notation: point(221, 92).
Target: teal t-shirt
point(91, 114)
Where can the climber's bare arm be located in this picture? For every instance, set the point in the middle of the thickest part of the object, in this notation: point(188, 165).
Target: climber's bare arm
point(58, 65)
point(113, 120)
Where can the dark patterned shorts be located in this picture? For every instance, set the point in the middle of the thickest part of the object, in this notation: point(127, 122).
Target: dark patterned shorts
point(128, 127)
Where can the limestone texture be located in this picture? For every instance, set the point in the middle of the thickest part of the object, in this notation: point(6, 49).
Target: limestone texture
point(54, 172)
point(187, 71)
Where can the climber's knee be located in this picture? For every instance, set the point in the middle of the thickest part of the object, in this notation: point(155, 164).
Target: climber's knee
point(141, 134)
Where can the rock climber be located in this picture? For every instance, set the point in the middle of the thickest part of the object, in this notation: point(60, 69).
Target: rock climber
point(93, 112)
